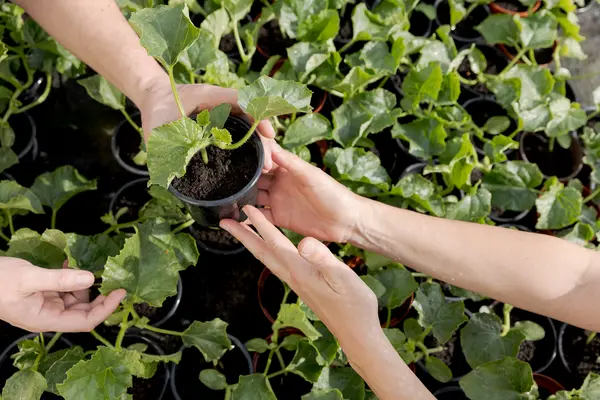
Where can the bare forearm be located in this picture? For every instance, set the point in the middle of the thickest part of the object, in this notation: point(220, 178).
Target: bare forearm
point(98, 34)
point(536, 272)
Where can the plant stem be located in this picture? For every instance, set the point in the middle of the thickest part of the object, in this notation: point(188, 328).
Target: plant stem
point(286, 292)
point(10, 222)
point(162, 331)
point(590, 338)
point(269, 360)
point(388, 320)
point(124, 326)
point(3, 236)
point(592, 196)
point(514, 61)
point(131, 121)
point(435, 350)
point(551, 144)
point(53, 220)
point(275, 374)
point(506, 325)
point(227, 393)
point(40, 99)
point(383, 82)
point(238, 42)
point(53, 341)
point(244, 139)
point(346, 46)
point(467, 81)
point(121, 226)
point(204, 155)
point(470, 9)
point(101, 339)
point(594, 114)
point(183, 226)
point(419, 275)
point(280, 358)
point(532, 56)
point(175, 92)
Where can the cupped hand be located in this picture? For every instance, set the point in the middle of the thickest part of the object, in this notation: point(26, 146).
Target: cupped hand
point(333, 291)
point(159, 108)
point(301, 197)
point(51, 300)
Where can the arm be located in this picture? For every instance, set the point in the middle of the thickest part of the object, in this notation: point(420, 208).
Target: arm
point(341, 300)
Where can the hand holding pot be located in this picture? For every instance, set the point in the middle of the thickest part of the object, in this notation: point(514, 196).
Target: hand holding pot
point(301, 197)
point(159, 108)
point(40, 300)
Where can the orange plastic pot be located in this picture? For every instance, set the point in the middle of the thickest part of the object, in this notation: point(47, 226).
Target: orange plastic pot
point(545, 382)
point(511, 56)
point(498, 9)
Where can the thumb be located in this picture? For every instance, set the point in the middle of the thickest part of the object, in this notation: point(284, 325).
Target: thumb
point(36, 279)
point(320, 257)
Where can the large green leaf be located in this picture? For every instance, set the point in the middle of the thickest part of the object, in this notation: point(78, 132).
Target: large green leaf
point(538, 30)
point(343, 379)
point(357, 166)
point(306, 57)
point(420, 192)
point(399, 285)
point(422, 85)
point(292, 316)
point(482, 341)
point(237, 9)
point(165, 32)
point(213, 379)
point(319, 27)
point(104, 376)
point(24, 385)
point(471, 207)
point(8, 158)
point(208, 337)
point(54, 366)
point(14, 197)
point(591, 387)
point(101, 90)
point(55, 188)
point(40, 250)
point(306, 130)
point(148, 265)
point(218, 24)
point(90, 252)
point(437, 313)
point(253, 387)
point(425, 135)
point(506, 379)
point(306, 362)
point(327, 345)
point(366, 25)
point(268, 97)
point(377, 56)
point(558, 206)
point(513, 185)
point(499, 28)
point(536, 84)
point(202, 52)
point(566, 117)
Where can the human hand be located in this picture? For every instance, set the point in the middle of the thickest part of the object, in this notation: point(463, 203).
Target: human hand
point(41, 300)
point(301, 197)
point(159, 108)
point(341, 300)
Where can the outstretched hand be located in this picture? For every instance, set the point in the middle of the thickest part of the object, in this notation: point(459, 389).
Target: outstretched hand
point(159, 108)
point(51, 300)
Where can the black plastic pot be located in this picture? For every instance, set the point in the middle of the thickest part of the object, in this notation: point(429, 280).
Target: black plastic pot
point(170, 305)
point(155, 387)
point(184, 390)
point(565, 164)
point(464, 32)
point(577, 357)
point(223, 245)
point(517, 227)
point(271, 40)
point(481, 109)
point(133, 195)
point(125, 144)
point(496, 62)
point(36, 89)
point(451, 393)
point(509, 217)
point(420, 25)
point(210, 212)
point(26, 145)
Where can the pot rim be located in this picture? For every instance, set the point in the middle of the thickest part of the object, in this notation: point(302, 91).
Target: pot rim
point(498, 9)
point(218, 252)
point(116, 153)
point(4, 355)
point(452, 33)
point(175, 306)
point(161, 352)
point(126, 186)
point(32, 144)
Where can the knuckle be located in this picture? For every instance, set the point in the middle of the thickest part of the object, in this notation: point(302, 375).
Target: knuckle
point(62, 281)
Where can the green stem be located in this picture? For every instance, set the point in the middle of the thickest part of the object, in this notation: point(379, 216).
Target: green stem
point(269, 360)
point(244, 139)
point(53, 220)
point(470, 9)
point(204, 155)
point(594, 114)
point(280, 358)
point(585, 76)
point(175, 92)
point(514, 133)
point(40, 99)
point(506, 325)
point(435, 350)
point(383, 82)
point(101, 339)
point(591, 338)
point(275, 374)
point(121, 226)
point(53, 341)
point(131, 121)
point(388, 320)
point(514, 61)
point(162, 331)
point(419, 275)
point(238, 42)
point(592, 196)
point(227, 393)
point(3, 236)
point(467, 81)
point(551, 144)
point(346, 46)
point(11, 226)
point(124, 326)
point(423, 348)
point(183, 226)
point(286, 292)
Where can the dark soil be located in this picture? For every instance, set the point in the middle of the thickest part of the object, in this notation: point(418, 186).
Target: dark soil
point(496, 62)
point(271, 40)
point(228, 45)
point(559, 162)
point(217, 239)
point(466, 28)
point(398, 314)
point(581, 358)
point(129, 141)
point(153, 388)
point(227, 172)
point(420, 25)
point(132, 196)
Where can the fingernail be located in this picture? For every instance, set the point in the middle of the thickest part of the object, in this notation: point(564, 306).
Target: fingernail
point(308, 248)
point(224, 227)
point(84, 279)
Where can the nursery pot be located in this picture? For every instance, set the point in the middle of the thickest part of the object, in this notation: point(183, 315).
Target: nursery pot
point(514, 7)
point(547, 386)
point(577, 357)
point(133, 195)
point(482, 109)
point(184, 380)
point(420, 25)
point(565, 164)
point(155, 387)
point(160, 315)
point(543, 57)
point(262, 280)
point(125, 144)
point(210, 212)
point(271, 40)
point(26, 145)
point(496, 62)
point(216, 241)
point(509, 217)
point(464, 32)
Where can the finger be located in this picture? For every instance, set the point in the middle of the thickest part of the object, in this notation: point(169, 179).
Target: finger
point(318, 255)
point(265, 181)
point(69, 299)
point(266, 129)
point(272, 236)
point(268, 215)
point(35, 279)
point(294, 164)
point(262, 198)
point(80, 295)
point(267, 146)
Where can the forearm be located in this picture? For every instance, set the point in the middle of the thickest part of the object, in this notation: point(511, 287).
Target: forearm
point(378, 363)
point(98, 34)
point(536, 272)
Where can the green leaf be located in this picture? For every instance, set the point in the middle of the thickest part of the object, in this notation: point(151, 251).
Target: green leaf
point(422, 85)
point(8, 158)
point(90, 252)
point(202, 53)
point(366, 26)
point(213, 379)
point(438, 370)
point(327, 345)
point(103, 92)
point(253, 387)
point(306, 130)
point(513, 184)
point(292, 316)
point(40, 250)
point(24, 385)
point(506, 379)
point(165, 32)
point(530, 330)
point(104, 376)
point(268, 97)
point(399, 284)
point(376, 287)
point(170, 149)
point(536, 84)
point(450, 91)
point(538, 30)
point(472, 207)
point(343, 379)
point(221, 136)
point(566, 117)
point(435, 312)
point(55, 188)
point(306, 57)
point(591, 386)
point(420, 192)
point(496, 148)
point(357, 166)
point(306, 362)
point(376, 261)
point(218, 24)
point(558, 206)
point(319, 27)
point(208, 337)
point(581, 234)
point(54, 366)
point(29, 350)
point(434, 53)
point(482, 341)
point(426, 137)
point(499, 28)
point(149, 263)
point(15, 198)
point(257, 345)
point(497, 125)
point(324, 394)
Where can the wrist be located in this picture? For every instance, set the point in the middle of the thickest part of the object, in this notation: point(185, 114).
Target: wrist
point(364, 216)
point(149, 87)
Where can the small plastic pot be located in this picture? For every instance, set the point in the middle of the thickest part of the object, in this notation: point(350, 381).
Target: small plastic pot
point(63, 343)
point(398, 314)
point(565, 164)
point(210, 212)
point(171, 305)
point(576, 356)
point(215, 247)
point(178, 382)
point(26, 144)
point(497, 8)
point(133, 195)
point(125, 143)
point(262, 280)
point(420, 25)
point(496, 62)
point(547, 385)
point(271, 40)
point(464, 32)
point(508, 217)
point(543, 57)
point(155, 387)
